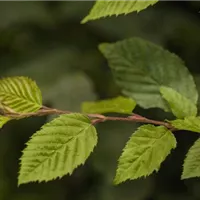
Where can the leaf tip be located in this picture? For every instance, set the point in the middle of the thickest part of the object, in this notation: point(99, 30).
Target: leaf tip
point(102, 47)
point(116, 180)
point(21, 182)
point(185, 176)
point(84, 20)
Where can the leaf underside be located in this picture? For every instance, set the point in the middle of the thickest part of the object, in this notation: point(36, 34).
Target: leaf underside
point(115, 105)
point(57, 149)
point(140, 68)
point(144, 152)
point(20, 94)
point(109, 8)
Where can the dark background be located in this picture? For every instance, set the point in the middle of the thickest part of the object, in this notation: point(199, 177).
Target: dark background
point(45, 41)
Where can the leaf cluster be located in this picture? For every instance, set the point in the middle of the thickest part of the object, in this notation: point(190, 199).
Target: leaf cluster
point(148, 76)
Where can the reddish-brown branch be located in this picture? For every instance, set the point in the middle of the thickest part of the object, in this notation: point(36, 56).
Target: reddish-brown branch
point(95, 118)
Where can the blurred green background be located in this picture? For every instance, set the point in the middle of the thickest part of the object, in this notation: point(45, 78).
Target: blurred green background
point(45, 41)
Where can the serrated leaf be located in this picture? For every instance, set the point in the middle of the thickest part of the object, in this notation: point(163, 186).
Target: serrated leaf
point(57, 149)
point(145, 151)
point(189, 124)
point(20, 94)
point(140, 68)
point(3, 120)
point(115, 105)
point(191, 166)
point(181, 106)
point(109, 8)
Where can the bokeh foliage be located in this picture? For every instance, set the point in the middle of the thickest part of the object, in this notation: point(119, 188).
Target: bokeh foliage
point(45, 41)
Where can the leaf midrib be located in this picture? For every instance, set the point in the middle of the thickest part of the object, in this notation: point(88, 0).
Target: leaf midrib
point(150, 147)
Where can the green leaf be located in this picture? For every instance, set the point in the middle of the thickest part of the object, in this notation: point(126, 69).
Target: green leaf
point(145, 151)
point(191, 166)
point(140, 68)
point(57, 149)
point(116, 105)
point(181, 106)
point(20, 94)
point(3, 120)
point(109, 8)
point(189, 124)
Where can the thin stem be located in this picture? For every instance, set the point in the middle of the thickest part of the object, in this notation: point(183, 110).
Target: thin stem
point(95, 118)
point(140, 119)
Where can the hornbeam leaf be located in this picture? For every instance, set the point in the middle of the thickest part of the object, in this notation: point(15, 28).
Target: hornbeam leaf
point(20, 94)
point(109, 8)
point(57, 149)
point(3, 120)
point(117, 105)
point(189, 123)
point(191, 166)
point(181, 106)
point(145, 151)
point(140, 68)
